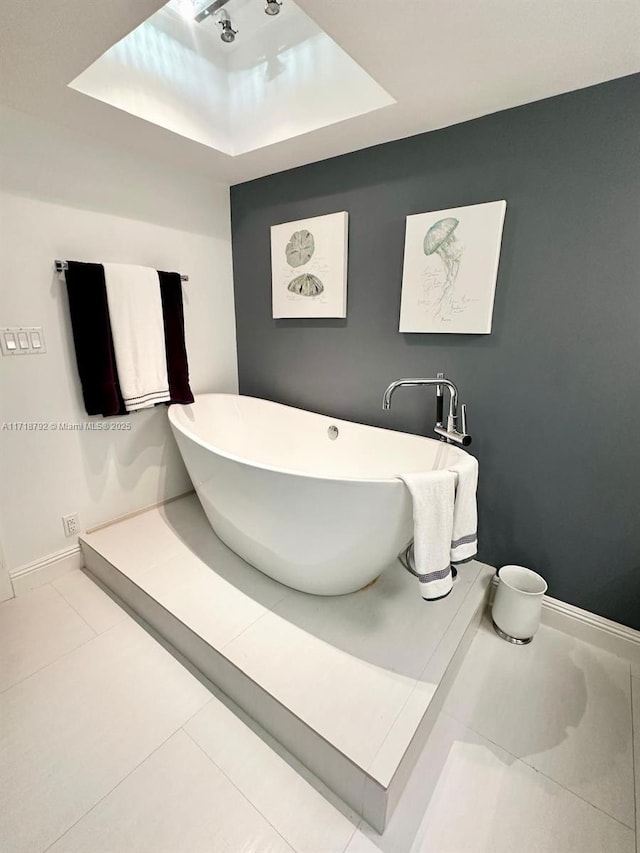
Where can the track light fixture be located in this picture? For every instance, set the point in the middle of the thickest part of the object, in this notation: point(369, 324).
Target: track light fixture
point(228, 34)
point(209, 10)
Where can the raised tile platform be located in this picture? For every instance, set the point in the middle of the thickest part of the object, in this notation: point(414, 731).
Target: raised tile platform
point(350, 685)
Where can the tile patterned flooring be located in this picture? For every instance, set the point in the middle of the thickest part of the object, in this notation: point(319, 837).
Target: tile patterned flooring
point(359, 671)
point(109, 745)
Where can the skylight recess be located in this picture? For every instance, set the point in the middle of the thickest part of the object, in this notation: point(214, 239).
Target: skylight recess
point(282, 76)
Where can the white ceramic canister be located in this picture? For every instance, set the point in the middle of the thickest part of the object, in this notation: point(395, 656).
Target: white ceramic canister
point(517, 606)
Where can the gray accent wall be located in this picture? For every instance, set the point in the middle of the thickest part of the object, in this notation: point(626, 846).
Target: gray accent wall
point(553, 392)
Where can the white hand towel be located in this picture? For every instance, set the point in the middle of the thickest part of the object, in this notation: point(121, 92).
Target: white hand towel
point(137, 327)
point(432, 493)
point(464, 539)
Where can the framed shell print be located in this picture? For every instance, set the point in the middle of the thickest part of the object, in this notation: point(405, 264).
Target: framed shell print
point(309, 267)
point(450, 269)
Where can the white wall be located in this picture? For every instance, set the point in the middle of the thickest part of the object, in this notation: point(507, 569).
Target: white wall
point(75, 199)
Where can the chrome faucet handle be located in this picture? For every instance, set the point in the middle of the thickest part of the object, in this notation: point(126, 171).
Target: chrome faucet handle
point(452, 434)
point(463, 419)
point(439, 400)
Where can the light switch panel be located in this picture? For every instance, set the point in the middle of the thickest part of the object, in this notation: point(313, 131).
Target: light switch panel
point(22, 340)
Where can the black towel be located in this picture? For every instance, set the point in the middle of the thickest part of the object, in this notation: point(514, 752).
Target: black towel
point(92, 339)
point(173, 316)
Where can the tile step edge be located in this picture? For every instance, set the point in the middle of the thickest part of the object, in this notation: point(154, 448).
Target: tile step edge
point(366, 795)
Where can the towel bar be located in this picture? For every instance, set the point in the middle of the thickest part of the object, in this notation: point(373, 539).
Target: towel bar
point(61, 266)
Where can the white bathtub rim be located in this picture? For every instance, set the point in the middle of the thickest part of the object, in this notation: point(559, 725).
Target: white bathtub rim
point(243, 460)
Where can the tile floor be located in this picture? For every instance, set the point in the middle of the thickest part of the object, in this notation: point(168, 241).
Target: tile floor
point(110, 745)
point(373, 675)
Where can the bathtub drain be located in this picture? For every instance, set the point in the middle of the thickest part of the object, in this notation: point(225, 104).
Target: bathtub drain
point(333, 432)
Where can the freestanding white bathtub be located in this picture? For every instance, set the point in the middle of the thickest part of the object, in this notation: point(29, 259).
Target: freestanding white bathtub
point(320, 512)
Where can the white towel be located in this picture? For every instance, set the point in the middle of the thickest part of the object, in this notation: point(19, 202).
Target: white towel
point(135, 311)
point(464, 539)
point(432, 493)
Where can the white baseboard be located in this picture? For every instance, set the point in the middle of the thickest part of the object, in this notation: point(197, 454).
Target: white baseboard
point(46, 569)
point(583, 625)
point(53, 566)
point(135, 512)
point(591, 628)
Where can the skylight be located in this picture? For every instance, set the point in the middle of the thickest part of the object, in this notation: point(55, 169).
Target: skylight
point(282, 76)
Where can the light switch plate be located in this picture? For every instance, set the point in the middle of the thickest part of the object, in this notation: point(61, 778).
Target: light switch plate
point(31, 333)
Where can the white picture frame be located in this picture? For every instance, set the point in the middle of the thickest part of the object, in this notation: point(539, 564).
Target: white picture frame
point(450, 269)
point(309, 267)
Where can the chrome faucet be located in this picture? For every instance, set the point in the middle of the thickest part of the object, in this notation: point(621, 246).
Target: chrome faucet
point(456, 429)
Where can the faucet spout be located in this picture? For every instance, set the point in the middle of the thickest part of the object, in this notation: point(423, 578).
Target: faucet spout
point(450, 433)
point(401, 383)
point(388, 394)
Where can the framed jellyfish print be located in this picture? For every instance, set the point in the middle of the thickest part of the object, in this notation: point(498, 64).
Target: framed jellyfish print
point(450, 269)
point(309, 267)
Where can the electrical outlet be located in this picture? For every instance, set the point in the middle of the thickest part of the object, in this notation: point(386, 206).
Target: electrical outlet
point(71, 524)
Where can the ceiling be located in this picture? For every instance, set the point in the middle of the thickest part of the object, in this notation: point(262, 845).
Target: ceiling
point(282, 77)
point(443, 63)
